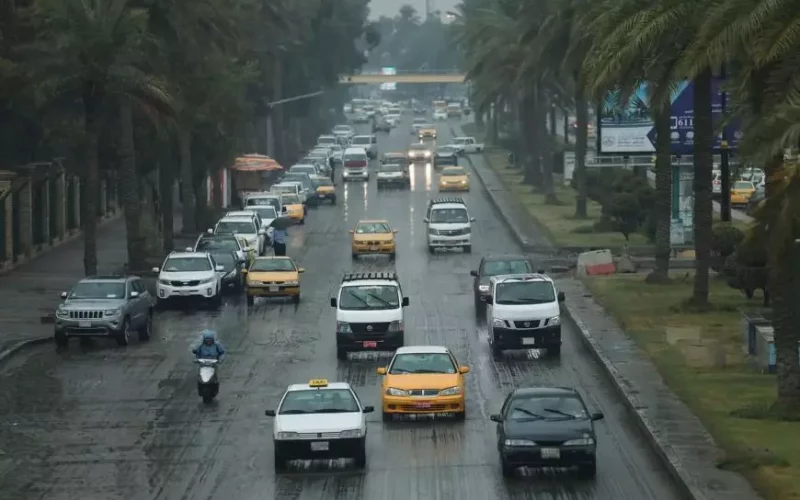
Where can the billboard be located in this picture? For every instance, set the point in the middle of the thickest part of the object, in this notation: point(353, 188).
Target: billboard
point(628, 128)
point(388, 85)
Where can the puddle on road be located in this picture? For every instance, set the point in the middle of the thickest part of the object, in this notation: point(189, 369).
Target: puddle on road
point(698, 352)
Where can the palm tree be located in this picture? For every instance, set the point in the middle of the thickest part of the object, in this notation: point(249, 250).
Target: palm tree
point(91, 51)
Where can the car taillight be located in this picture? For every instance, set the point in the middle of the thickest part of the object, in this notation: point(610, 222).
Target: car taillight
point(716, 182)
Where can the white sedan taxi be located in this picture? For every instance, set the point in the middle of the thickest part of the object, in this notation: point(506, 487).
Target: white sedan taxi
point(320, 420)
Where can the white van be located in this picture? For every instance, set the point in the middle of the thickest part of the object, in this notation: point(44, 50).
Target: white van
point(369, 313)
point(292, 187)
point(356, 164)
point(449, 224)
point(523, 312)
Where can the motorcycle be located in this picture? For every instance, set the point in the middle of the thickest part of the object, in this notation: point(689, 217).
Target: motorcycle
point(207, 381)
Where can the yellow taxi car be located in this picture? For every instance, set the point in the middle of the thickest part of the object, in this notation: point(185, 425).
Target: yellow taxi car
point(294, 207)
point(741, 191)
point(422, 380)
point(272, 277)
point(373, 237)
point(454, 179)
point(419, 152)
point(427, 133)
point(325, 190)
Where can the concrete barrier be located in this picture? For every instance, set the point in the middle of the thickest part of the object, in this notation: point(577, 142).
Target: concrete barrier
point(595, 263)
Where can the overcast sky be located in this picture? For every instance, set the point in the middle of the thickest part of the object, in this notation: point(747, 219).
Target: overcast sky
point(390, 7)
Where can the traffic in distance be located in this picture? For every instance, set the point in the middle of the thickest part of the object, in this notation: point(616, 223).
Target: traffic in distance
point(252, 255)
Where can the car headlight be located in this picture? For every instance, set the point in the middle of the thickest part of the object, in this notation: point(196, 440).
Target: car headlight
point(499, 323)
point(111, 312)
point(555, 320)
point(291, 283)
point(466, 230)
point(586, 441)
point(61, 313)
point(207, 281)
point(433, 231)
point(483, 288)
point(232, 274)
point(163, 282)
point(391, 391)
point(343, 327)
point(427, 154)
point(464, 182)
point(287, 435)
point(351, 433)
point(396, 326)
point(450, 391)
point(519, 442)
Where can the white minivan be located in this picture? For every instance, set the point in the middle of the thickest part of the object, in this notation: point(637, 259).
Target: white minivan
point(369, 313)
point(523, 312)
point(449, 224)
point(356, 164)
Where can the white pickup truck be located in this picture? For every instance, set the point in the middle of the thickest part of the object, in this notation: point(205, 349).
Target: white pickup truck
point(467, 145)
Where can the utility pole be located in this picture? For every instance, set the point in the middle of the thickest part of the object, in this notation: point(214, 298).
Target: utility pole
point(429, 8)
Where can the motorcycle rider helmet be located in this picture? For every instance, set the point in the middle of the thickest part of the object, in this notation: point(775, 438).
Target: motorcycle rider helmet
point(209, 337)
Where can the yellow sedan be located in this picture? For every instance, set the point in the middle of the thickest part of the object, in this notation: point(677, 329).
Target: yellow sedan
point(454, 179)
point(273, 277)
point(294, 208)
point(373, 237)
point(741, 191)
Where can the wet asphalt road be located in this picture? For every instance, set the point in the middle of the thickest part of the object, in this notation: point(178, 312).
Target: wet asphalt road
point(107, 423)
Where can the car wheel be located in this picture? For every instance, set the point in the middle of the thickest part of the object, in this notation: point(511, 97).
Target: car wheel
point(216, 301)
point(61, 339)
point(497, 352)
point(392, 256)
point(554, 350)
point(508, 470)
point(386, 417)
point(341, 353)
point(361, 456)
point(147, 328)
point(588, 470)
point(431, 250)
point(303, 220)
point(250, 300)
point(461, 416)
point(333, 201)
point(124, 334)
point(355, 256)
point(467, 248)
point(480, 307)
point(280, 462)
point(296, 298)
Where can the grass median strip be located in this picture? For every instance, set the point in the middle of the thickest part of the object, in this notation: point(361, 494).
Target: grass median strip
point(701, 358)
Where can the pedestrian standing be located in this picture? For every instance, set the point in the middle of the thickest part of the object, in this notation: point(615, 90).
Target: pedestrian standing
point(332, 164)
point(279, 242)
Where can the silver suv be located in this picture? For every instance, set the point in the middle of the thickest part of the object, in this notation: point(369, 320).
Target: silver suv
point(105, 306)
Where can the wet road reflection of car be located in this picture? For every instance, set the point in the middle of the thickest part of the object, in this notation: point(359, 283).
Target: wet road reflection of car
point(102, 422)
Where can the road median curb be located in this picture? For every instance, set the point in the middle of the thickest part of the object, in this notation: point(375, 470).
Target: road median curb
point(15, 348)
point(696, 488)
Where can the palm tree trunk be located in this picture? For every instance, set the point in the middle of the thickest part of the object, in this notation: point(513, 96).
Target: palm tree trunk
point(533, 135)
point(189, 222)
point(544, 147)
point(495, 128)
point(277, 111)
point(129, 190)
point(92, 124)
point(166, 182)
point(663, 197)
point(703, 165)
point(784, 287)
point(581, 144)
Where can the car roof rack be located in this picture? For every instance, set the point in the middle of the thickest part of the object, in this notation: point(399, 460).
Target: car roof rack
point(449, 199)
point(387, 275)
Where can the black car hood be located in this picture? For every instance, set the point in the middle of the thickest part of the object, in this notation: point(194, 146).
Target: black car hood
point(548, 430)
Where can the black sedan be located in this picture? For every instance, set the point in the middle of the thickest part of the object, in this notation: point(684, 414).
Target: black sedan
point(232, 277)
point(445, 156)
point(546, 427)
point(496, 265)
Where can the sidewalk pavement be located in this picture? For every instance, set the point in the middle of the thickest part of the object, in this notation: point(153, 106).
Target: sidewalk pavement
point(678, 437)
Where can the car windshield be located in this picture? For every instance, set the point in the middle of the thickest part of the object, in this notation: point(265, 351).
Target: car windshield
point(98, 290)
point(300, 178)
point(369, 297)
point(261, 202)
point(305, 169)
point(418, 147)
point(209, 244)
point(284, 189)
point(224, 259)
point(426, 126)
point(449, 216)
point(396, 160)
point(267, 265)
point(498, 267)
point(373, 228)
point(235, 226)
point(537, 407)
point(341, 128)
point(326, 140)
point(743, 185)
point(265, 213)
point(355, 157)
point(422, 363)
point(322, 181)
point(391, 167)
point(419, 121)
point(318, 401)
point(454, 171)
point(290, 199)
point(186, 264)
point(525, 292)
point(362, 140)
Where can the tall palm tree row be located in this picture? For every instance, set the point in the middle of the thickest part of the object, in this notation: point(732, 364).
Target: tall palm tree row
point(531, 53)
point(154, 92)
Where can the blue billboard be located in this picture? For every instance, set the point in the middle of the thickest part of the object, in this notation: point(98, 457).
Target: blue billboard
point(628, 128)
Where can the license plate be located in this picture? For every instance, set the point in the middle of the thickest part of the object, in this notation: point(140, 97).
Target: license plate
point(370, 344)
point(185, 292)
point(374, 249)
point(551, 453)
point(528, 341)
point(84, 324)
point(274, 288)
point(423, 405)
point(320, 446)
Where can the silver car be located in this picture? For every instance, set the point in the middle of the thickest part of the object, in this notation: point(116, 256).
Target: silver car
point(105, 306)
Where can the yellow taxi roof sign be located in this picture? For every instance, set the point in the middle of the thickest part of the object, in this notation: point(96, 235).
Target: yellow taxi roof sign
point(318, 382)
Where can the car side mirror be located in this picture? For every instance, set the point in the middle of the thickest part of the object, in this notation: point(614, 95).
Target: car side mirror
point(333, 302)
point(394, 231)
point(405, 302)
point(381, 371)
point(472, 219)
point(189, 249)
point(426, 220)
point(368, 409)
point(301, 270)
point(463, 369)
point(156, 270)
point(270, 413)
point(219, 268)
point(352, 232)
point(489, 299)
point(473, 273)
point(210, 231)
point(496, 418)
point(244, 271)
point(64, 295)
point(262, 231)
point(134, 295)
point(597, 416)
point(561, 297)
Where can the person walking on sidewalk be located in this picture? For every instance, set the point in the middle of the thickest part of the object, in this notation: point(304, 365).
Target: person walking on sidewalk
point(279, 242)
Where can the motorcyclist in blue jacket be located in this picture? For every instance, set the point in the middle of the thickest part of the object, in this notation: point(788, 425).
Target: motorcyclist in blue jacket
point(210, 348)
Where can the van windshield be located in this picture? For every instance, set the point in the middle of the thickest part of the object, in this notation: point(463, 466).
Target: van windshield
point(525, 292)
point(359, 298)
point(362, 140)
point(449, 216)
